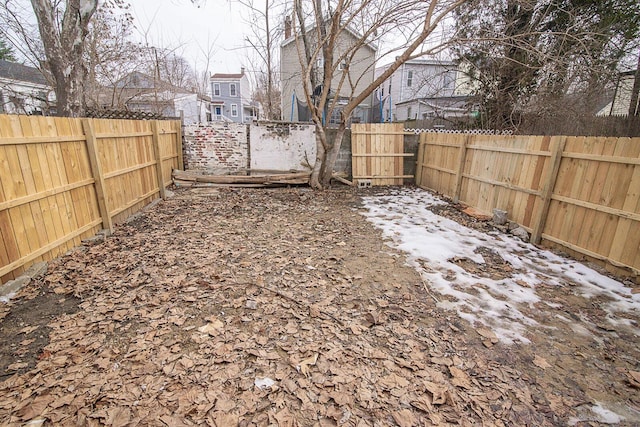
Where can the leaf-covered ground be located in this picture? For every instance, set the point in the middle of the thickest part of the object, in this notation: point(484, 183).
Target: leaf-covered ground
point(285, 307)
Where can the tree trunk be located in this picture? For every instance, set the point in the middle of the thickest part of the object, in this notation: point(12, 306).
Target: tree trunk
point(634, 110)
point(64, 49)
point(321, 154)
point(332, 155)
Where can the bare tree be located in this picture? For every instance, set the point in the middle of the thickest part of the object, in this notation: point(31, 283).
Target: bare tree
point(263, 20)
point(110, 55)
point(330, 36)
point(64, 47)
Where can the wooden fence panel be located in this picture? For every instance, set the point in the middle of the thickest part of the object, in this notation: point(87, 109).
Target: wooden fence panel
point(582, 193)
point(47, 203)
point(378, 153)
point(63, 179)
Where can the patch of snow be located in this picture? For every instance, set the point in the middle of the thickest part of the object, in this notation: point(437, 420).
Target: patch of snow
point(6, 298)
point(602, 415)
point(432, 242)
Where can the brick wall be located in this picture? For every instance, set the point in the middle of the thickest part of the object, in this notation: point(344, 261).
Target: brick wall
point(216, 147)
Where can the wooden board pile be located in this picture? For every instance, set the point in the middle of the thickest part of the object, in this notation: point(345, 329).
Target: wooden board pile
point(196, 179)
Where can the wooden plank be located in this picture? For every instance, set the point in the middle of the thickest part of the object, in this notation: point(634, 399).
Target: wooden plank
point(134, 202)
point(439, 169)
point(98, 176)
point(462, 157)
point(39, 139)
point(506, 150)
point(598, 208)
point(384, 155)
point(178, 144)
point(44, 194)
point(43, 250)
point(547, 189)
point(589, 253)
point(383, 177)
point(420, 161)
point(158, 157)
point(500, 184)
point(130, 169)
point(122, 135)
point(603, 158)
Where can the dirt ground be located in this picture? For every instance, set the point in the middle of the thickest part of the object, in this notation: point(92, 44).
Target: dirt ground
point(285, 307)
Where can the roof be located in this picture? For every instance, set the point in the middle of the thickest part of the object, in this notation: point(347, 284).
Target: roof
point(19, 72)
point(424, 62)
point(355, 35)
point(227, 76)
point(427, 99)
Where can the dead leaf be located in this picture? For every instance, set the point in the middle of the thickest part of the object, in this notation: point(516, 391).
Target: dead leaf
point(438, 392)
point(404, 418)
point(541, 362)
point(28, 329)
point(16, 366)
point(634, 378)
point(488, 334)
point(460, 377)
point(222, 419)
point(118, 417)
point(423, 403)
point(285, 419)
point(212, 328)
point(304, 365)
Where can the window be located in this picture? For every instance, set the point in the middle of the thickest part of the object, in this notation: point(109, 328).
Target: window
point(216, 89)
point(232, 89)
point(234, 110)
point(409, 113)
point(409, 78)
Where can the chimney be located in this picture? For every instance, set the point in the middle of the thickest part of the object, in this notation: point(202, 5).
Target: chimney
point(241, 70)
point(287, 27)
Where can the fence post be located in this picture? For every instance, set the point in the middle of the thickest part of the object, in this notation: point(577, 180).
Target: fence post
point(558, 143)
point(421, 143)
point(461, 160)
point(96, 170)
point(156, 151)
point(179, 145)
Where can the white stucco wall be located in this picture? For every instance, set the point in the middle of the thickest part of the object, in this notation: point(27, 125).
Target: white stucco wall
point(282, 146)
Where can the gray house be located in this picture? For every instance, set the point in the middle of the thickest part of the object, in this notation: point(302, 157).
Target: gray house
point(360, 72)
point(231, 98)
point(421, 89)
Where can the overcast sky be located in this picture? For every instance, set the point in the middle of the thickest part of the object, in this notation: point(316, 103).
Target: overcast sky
point(181, 24)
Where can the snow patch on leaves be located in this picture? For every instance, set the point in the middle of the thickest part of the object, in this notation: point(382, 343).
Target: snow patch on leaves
point(433, 244)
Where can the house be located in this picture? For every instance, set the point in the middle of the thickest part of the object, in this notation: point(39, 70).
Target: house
point(24, 90)
point(619, 105)
point(360, 71)
point(141, 92)
point(421, 89)
point(231, 98)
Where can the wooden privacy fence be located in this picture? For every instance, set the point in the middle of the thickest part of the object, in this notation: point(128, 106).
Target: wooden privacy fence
point(582, 193)
point(63, 179)
point(377, 152)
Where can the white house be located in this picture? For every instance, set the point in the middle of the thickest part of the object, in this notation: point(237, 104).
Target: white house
point(23, 90)
point(619, 105)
